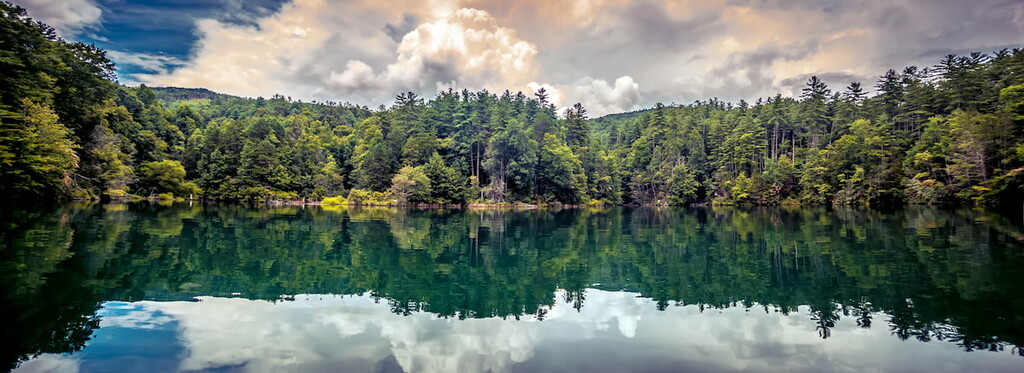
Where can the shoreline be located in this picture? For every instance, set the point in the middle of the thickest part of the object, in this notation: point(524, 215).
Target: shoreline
point(521, 206)
point(299, 202)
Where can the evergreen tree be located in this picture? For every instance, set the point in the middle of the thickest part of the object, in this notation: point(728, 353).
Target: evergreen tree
point(447, 186)
point(577, 129)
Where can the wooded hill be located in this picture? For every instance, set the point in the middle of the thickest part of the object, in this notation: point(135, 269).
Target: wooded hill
point(948, 133)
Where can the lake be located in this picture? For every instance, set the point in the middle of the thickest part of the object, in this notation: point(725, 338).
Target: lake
point(155, 288)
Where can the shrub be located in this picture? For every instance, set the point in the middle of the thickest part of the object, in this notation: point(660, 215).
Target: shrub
point(926, 191)
point(381, 199)
point(359, 196)
point(165, 177)
point(339, 200)
point(282, 196)
point(116, 193)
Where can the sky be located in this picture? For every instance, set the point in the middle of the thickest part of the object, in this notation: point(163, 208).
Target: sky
point(610, 55)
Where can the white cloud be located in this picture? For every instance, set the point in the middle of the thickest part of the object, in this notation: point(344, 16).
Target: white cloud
point(68, 17)
point(464, 48)
point(159, 64)
point(50, 363)
point(127, 315)
point(598, 96)
point(603, 98)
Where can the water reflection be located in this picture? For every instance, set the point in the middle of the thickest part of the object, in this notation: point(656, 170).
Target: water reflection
point(616, 331)
point(745, 289)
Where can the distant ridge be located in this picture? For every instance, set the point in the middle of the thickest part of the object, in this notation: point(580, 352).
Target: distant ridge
point(623, 116)
point(603, 125)
point(172, 94)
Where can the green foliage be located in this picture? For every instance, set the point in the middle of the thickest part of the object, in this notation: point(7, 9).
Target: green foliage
point(359, 196)
point(511, 160)
point(815, 186)
point(852, 187)
point(1006, 191)
point(447, 186)
point(369, 198)
point(419, 148)
point(682, 186)
point(334, 201)
point(67, 129)
point(561, 174)
point(604, 176)
point(780, 177)
point(927, 191)
point(166, 176)
point(329, 180)
point(411, 185)
point(39, 157)
point(375, 159)
point(1013, 99)
point(107, 164)
point(742, 190)
point(576, 127)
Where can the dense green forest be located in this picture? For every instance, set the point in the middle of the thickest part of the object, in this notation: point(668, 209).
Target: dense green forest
point(949, 133)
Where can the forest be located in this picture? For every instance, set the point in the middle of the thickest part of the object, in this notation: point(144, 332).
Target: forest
point(951, 133)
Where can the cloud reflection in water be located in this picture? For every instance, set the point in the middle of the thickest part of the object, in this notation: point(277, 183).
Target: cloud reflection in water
point(615, 331)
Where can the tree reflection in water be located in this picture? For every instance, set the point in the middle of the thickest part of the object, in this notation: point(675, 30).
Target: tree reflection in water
point(948, 275)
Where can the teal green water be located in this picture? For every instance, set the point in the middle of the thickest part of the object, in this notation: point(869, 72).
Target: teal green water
point(229, 288)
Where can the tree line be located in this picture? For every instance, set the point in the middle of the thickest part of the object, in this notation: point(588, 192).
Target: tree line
point(949, 133)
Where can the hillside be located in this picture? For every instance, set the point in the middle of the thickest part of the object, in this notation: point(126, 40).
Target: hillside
point(172, 94)
point(602, 126)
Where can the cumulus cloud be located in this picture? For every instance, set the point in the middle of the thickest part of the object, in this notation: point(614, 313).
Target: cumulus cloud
point(611, 55)
point(464, 48)
point(397, 31)
point(598, 95)
point(68, 17)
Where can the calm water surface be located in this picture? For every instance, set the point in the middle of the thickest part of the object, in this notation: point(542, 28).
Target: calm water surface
point(98, 288)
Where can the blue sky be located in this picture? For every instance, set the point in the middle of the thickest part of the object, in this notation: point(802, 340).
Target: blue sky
point(164, 27)
point(611, 55)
